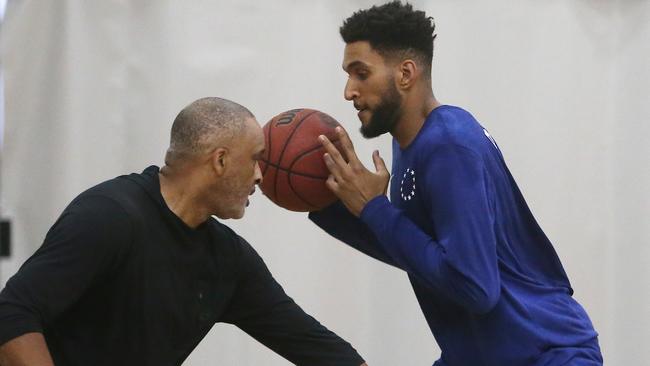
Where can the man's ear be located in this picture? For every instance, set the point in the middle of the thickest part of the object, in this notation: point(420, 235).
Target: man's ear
point(408, 73)
point(220, 160)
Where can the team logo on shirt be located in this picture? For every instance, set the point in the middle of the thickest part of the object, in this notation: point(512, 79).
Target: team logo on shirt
point(407, 187)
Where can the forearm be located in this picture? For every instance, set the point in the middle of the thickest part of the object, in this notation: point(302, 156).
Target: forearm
point(289, 331)
point(26, 350)
point(465, 272)
point(337, 221)
point(407, 245)
point(261, 308)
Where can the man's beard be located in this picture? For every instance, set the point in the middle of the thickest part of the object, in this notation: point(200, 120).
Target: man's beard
point(385, 115)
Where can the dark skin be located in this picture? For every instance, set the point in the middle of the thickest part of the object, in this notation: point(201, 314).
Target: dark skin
point(27, 350)
point(351, 181)
point(369, 72)
point(216, 182)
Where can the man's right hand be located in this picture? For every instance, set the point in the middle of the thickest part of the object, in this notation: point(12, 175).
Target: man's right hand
point(26, 350)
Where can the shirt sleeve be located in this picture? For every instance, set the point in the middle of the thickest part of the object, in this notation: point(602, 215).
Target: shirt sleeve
point(340, 223)
point(80, 249)
point(261, 308)
point(461, 262)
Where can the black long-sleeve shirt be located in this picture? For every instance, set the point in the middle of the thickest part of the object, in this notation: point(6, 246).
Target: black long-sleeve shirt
point(121, 280)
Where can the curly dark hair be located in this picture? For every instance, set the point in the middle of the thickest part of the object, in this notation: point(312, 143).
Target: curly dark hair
point(393, 29)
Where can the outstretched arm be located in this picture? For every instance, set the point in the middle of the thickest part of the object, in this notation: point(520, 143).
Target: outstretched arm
point(26, 350)
point(261, 308)
point(337, 221)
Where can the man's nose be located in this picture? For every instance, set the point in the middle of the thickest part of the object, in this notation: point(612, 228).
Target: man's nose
point(258, 174)
point(350, 92)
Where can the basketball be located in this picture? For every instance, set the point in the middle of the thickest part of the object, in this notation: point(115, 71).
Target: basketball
point(293, 167)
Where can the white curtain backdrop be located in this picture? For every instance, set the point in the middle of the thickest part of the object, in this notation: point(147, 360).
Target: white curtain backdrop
point(93, 86)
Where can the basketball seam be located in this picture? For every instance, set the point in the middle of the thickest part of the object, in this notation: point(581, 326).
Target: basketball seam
point(290, 172)
point(300, 197)
point(275, 183)
point(286, 170)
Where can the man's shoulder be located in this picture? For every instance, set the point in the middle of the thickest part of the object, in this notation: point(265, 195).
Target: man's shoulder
point(115, 189)
point(122, 193)
point(452, 126)
point(224, 236)
point(229, 241)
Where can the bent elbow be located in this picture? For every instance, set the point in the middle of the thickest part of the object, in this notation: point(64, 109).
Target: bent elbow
point(478, 294)
point(484, 302)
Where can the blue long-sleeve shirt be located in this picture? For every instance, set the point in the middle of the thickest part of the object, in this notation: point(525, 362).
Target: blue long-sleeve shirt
point(487, 278)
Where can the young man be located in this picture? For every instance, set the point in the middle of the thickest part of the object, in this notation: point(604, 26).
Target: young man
point(136, 272)
point(488, 280)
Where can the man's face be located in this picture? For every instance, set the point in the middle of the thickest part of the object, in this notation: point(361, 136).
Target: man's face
point(242, 171)
point(371, 87)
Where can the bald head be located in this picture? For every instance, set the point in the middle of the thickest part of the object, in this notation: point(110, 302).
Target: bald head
point(203, 124)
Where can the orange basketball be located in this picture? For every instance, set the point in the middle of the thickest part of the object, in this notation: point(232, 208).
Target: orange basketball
point(293, 167)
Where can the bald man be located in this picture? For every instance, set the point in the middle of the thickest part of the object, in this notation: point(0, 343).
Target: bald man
point(136, 271)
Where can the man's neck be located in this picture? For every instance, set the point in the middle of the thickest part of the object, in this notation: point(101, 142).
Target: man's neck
point(414, 112)
point(180, 195)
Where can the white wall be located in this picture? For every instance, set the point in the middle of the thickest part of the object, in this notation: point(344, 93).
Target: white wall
point(92, 88)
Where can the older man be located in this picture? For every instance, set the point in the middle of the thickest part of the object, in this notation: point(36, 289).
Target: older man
point(136, 272)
